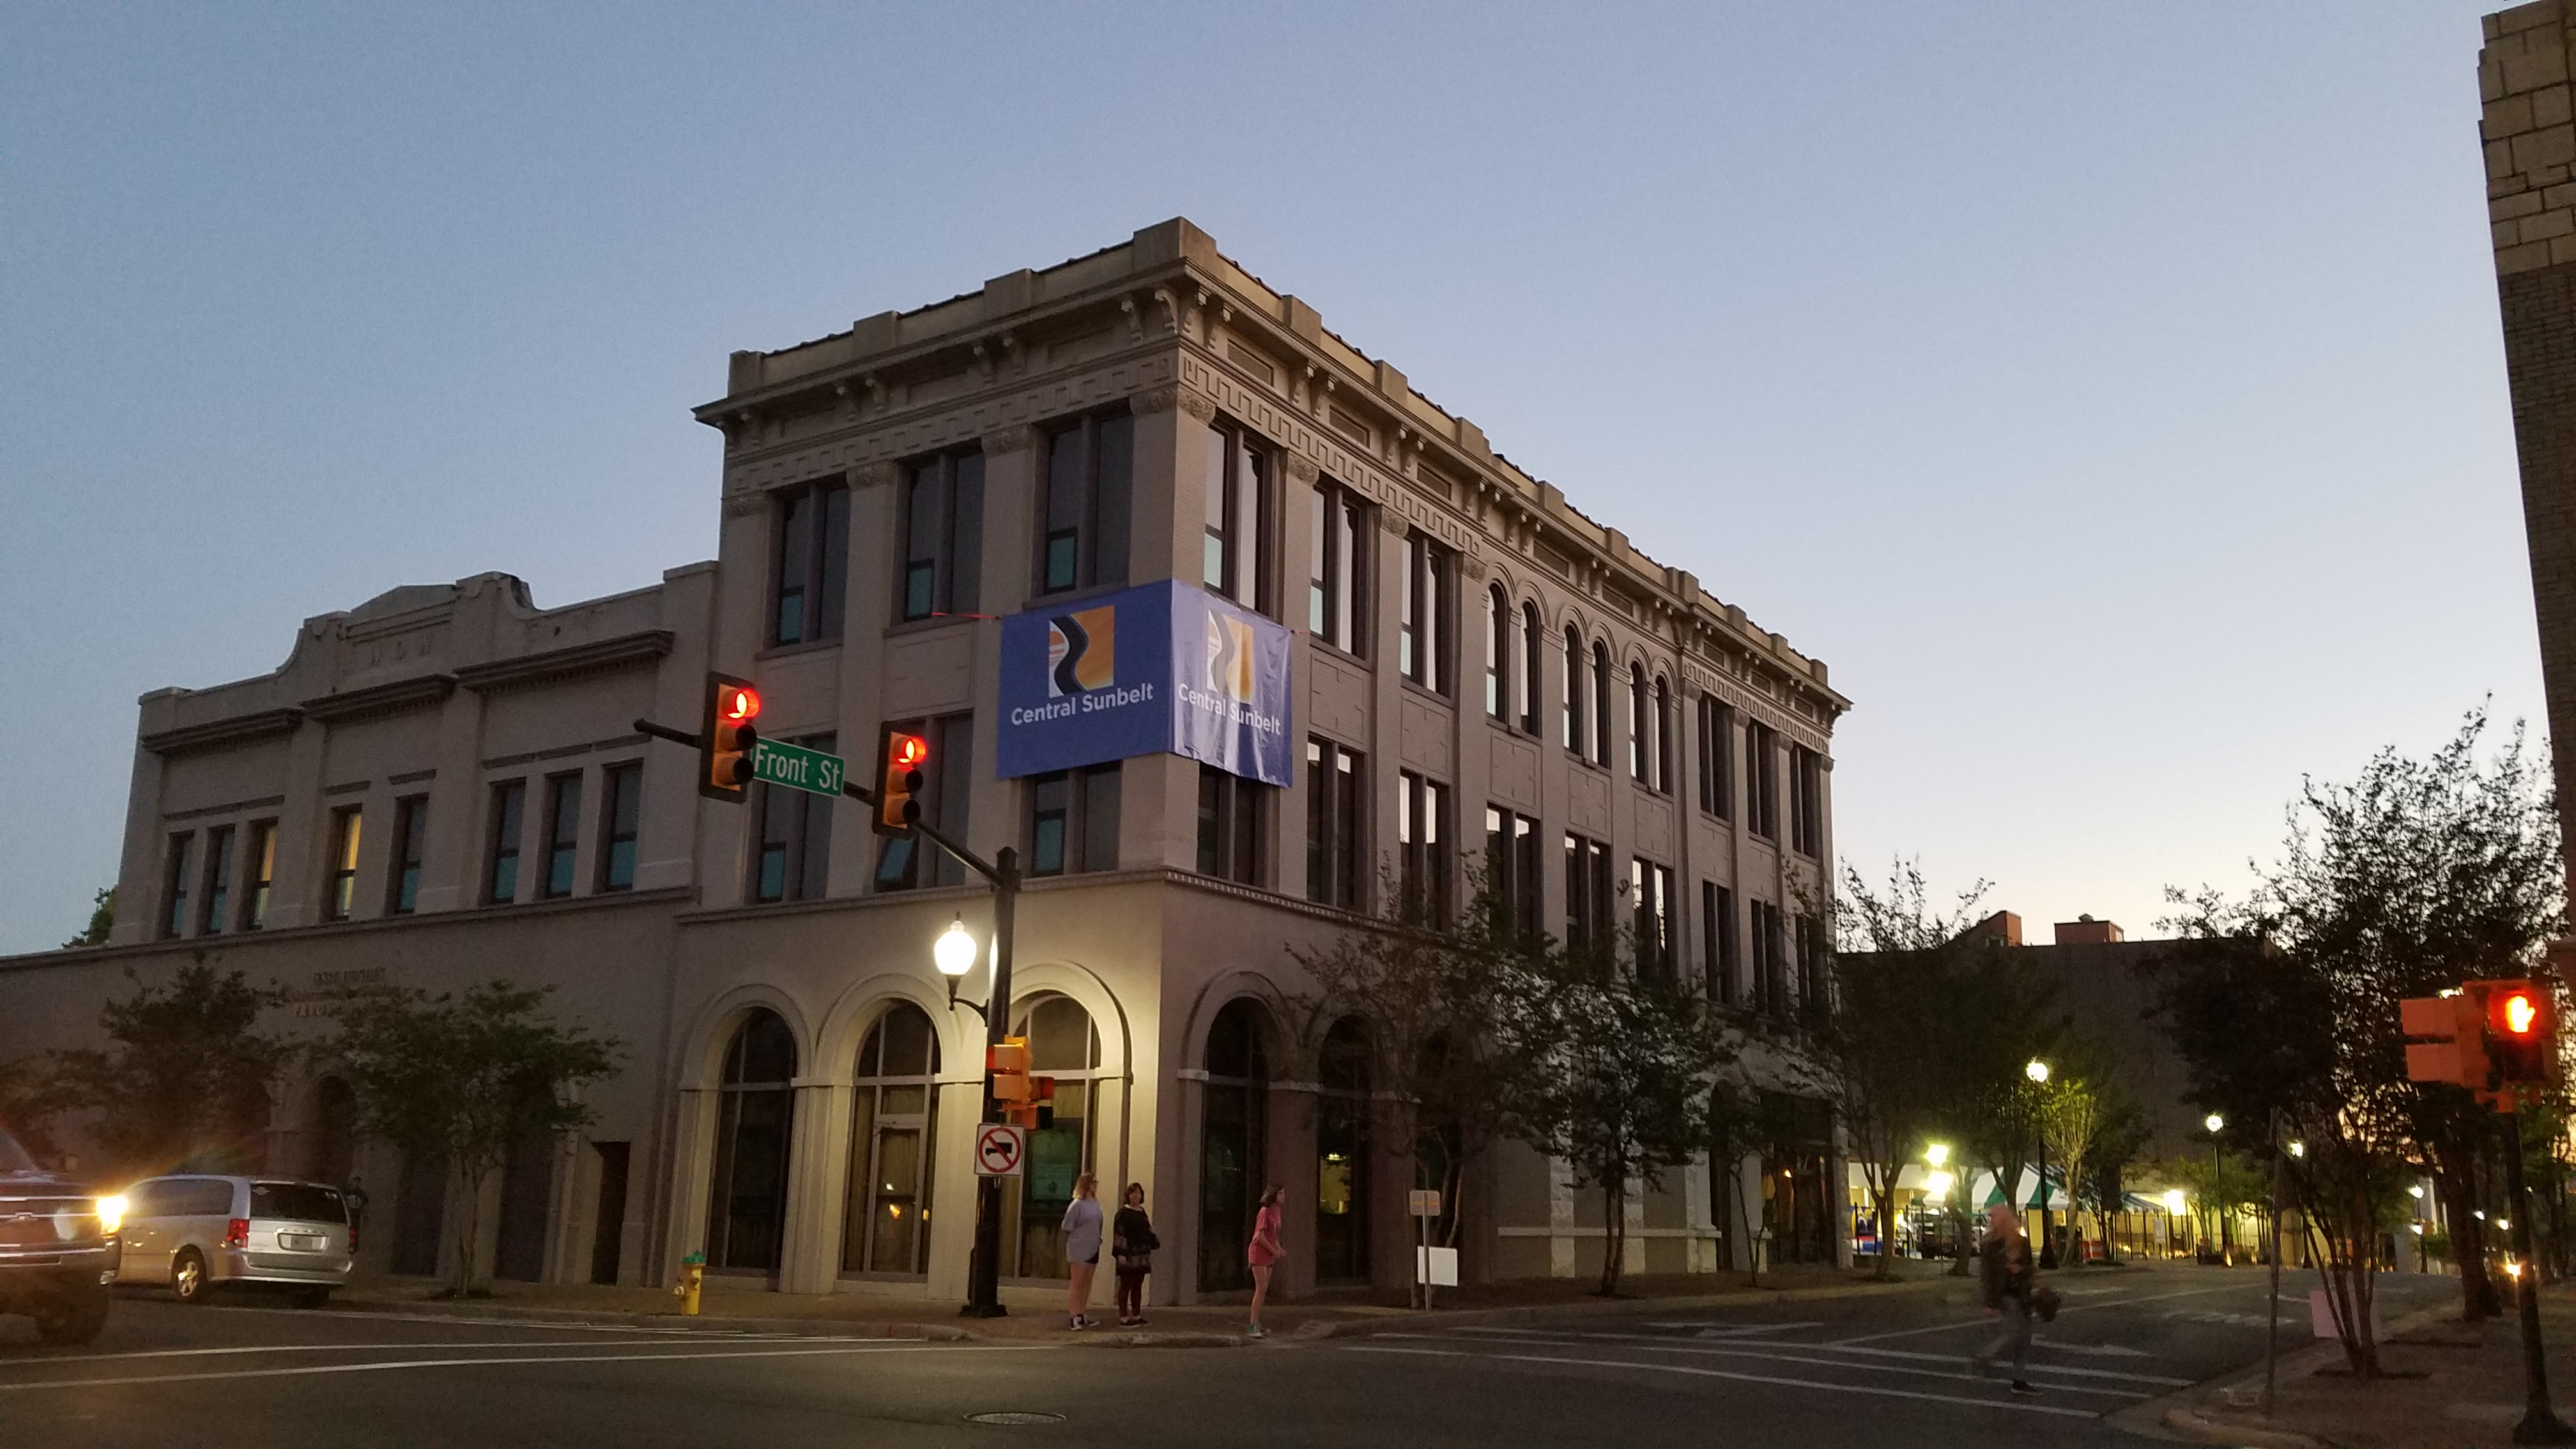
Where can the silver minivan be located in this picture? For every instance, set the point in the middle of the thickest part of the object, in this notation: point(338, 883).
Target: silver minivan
point(190, 1233)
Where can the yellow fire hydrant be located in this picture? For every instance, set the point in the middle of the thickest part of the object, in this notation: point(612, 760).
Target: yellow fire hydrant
point(693, 1277)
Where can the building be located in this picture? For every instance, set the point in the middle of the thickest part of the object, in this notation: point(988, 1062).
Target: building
point(932, 518)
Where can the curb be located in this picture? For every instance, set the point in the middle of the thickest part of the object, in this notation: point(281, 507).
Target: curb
point(2182, 1413)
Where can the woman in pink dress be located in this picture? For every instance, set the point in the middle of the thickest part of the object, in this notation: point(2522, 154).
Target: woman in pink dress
point(1264, 1252)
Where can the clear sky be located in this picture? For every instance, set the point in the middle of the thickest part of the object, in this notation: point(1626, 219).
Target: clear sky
point(2112, 395)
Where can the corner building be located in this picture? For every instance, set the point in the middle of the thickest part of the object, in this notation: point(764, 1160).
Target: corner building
point(444, 785)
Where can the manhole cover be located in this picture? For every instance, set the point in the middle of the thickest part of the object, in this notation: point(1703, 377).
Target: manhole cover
point(1015, 1416)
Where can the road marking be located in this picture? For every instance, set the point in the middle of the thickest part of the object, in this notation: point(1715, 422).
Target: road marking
point(302, 1370)
point(1425, 1352)
point(1845, 1346)
point(532, 1325)
point(2107, 1350)
point(1780, 1354)
point(1868, 1389)
point(1707, 1329)
point(2076, 1308)
point(313, 1348)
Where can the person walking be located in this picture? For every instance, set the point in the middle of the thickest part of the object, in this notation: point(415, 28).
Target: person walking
point(2004, 1283)
point(1264, 1252)
point(1132, 1241)
point(1082, 1249)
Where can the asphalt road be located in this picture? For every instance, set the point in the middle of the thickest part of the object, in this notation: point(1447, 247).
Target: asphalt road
point(1856, 1371)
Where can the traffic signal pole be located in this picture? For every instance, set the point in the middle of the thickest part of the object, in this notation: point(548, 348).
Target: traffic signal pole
point(2540, 1423)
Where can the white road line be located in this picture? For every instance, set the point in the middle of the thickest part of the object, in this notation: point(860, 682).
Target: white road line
point(533, 1325)
point(304, 1348)
point(1782, 1355)
point(2074, 1308)
point(1425, 1352)
point(1522, 1335)
point(1707, 1328)
point(1868, 1389)
point(437, 1363)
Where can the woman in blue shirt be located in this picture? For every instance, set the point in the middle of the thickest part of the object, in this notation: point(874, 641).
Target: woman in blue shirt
point(1082, 1248)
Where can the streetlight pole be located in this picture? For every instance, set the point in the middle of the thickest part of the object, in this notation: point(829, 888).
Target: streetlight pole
point(2037, 1071)
point(2218, 1190)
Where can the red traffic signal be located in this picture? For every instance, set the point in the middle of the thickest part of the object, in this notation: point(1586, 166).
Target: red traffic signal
point(726, 737)
point(2522, 1031)
point(900, 756)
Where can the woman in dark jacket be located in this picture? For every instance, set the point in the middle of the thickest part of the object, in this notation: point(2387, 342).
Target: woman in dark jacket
point(1133, 1243)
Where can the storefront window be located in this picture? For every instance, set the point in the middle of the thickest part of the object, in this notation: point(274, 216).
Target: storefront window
point(1231, 1144)
point(886, 1226)
point(1342, 1157)
point(1062, 1045)
point(747, 1206)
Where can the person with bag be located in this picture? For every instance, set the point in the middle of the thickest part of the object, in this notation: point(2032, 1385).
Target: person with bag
point(1082, 1250)
point(1132, 1243)
point(1264, 1252)
point(2004, 1283)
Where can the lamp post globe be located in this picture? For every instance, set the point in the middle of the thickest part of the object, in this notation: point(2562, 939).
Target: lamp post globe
point(954, 951)
point(2037, 1071)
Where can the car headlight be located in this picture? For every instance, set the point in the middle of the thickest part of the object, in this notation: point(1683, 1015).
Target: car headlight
point(111, 1212)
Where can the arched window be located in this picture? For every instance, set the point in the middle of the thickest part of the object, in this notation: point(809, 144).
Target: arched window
point(1637, 723)
point(1533, 643)
point(1601, 704)
point(1573, 690)
point(1232, 1143)
point(1663, 735)
point(1062, 1045)
point(1342, 1156)
point(755, 1117)
point(1498, 652)
point(894, 1110)
point(335, 1132)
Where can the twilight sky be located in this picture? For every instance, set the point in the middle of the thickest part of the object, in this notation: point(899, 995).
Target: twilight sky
point(2111, 395)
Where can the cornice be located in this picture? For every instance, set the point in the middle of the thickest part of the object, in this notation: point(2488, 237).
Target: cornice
point(232, 731)
point(400, 694)
point(622, 652)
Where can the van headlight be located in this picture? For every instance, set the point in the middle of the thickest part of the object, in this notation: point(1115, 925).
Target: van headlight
point(111, 1213)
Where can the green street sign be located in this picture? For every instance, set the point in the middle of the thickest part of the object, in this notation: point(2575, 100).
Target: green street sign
point(797, 768)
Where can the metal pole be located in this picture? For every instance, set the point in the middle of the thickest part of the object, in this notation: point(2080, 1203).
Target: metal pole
point(2047, 1240)
point(2272, 1321)
point(2218, 1205)
point(984, 1274)
point(2540, 1423)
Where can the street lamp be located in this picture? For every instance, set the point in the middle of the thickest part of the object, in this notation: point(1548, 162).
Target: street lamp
point(2217, 1188)
point(954, 954)
point(2037, 1071)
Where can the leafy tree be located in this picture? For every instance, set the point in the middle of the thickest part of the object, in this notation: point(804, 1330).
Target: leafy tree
point(465, 1078)
point(184, 1084)
point(2070, 1122)
point(102, 919)
point(2417, 875)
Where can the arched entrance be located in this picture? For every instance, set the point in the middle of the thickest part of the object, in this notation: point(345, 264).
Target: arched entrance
point(1062, 1045)
point(755, 1118)
point(1232, 1141)
point(1342, 1156)
point(892, 1121)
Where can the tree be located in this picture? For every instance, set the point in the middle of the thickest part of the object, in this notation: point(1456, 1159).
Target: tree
point(465, 1078)
point(102, 919)
point(2417, 875)
point(2070, 1119)
point(184, 1085)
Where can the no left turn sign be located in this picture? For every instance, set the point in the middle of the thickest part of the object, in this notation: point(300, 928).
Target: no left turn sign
point(1000, 1148)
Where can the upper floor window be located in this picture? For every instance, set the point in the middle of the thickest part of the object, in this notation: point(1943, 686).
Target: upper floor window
point(1337, 582)
point(1640, 727)
point(1090, 472)
point(1770, 986)
point(1073, 820)
point(812, 565)
point(1762, 781)
point(794, 859)
point(943, 536)
point(910, 861)
point(1601, 704)
point(1422, 838)
point(1237, 492)
point(1573, 690)
point(1498, 653)
point(1717, 929)
point(1663, 756)
point(1512, 867)
point(563, 833)
point(1652, 885)
point(1716, 754)
point(620, 824)
point(219, 881)
point(178, 871)
point(1810, 945)
point(1806, 800)
point(340, 889)
point(410, 847)
point(1588, 919)
point(1422, 642)
point(1333, 796)
point(260, 863)
point(509, 816)
point(1533, 643)
point(1230, 819)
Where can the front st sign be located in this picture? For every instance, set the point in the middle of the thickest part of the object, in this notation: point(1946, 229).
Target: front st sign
point(797, 768)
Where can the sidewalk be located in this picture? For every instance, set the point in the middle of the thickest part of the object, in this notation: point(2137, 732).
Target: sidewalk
point(725, 1309)
point(2448, 1384)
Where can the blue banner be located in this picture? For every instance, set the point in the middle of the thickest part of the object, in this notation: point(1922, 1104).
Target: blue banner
point(1160, 669)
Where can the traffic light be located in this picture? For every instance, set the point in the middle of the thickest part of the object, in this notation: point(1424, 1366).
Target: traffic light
point(2456, 1052)
point(726, 737)
point(2522, 1032)
point(1008, 1063)
point(900, 756)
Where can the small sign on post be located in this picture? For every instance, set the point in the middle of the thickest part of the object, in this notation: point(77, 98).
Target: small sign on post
point(1430, 1265)
point(1000, 1149)
point(1425, 1202)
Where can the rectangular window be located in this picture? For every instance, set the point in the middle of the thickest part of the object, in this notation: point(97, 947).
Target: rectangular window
point(219, 881)
point(1762, 781)
point(943, 536)
point(1810, 945)
point(340, 890)
point(179, 869)
point(1717, 930)
point(563, 833)
point(1653, 888)
point(1422, 636)
point(1533, 646)
point(1601, 704)
point(1573, 690)
point(1663, 720)
point(1237, 492)
point(1230, 825)
point(1333, 853)
point(1770, 991)
point(1422, 834)
point(1337, 585)
point(620, 820)
point(1588, 919)
point(1498, 653)
point(1806, 800)
point(509, 809)
point(411, 842)
point(1641, 718)
point(794, 861)
point(1089, 483)
point(262, 860)
point(1512, 867)
point(1716, 753)
point(1073, 821)
point(904, 864)
point(812, 562)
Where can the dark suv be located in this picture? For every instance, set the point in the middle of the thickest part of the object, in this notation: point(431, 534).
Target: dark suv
point(58, 1248)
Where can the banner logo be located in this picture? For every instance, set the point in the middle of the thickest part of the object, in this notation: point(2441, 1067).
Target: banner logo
point(1229, 657)
point(1082, 651)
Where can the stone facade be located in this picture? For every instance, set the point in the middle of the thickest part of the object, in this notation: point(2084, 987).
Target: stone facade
point(400, 784)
